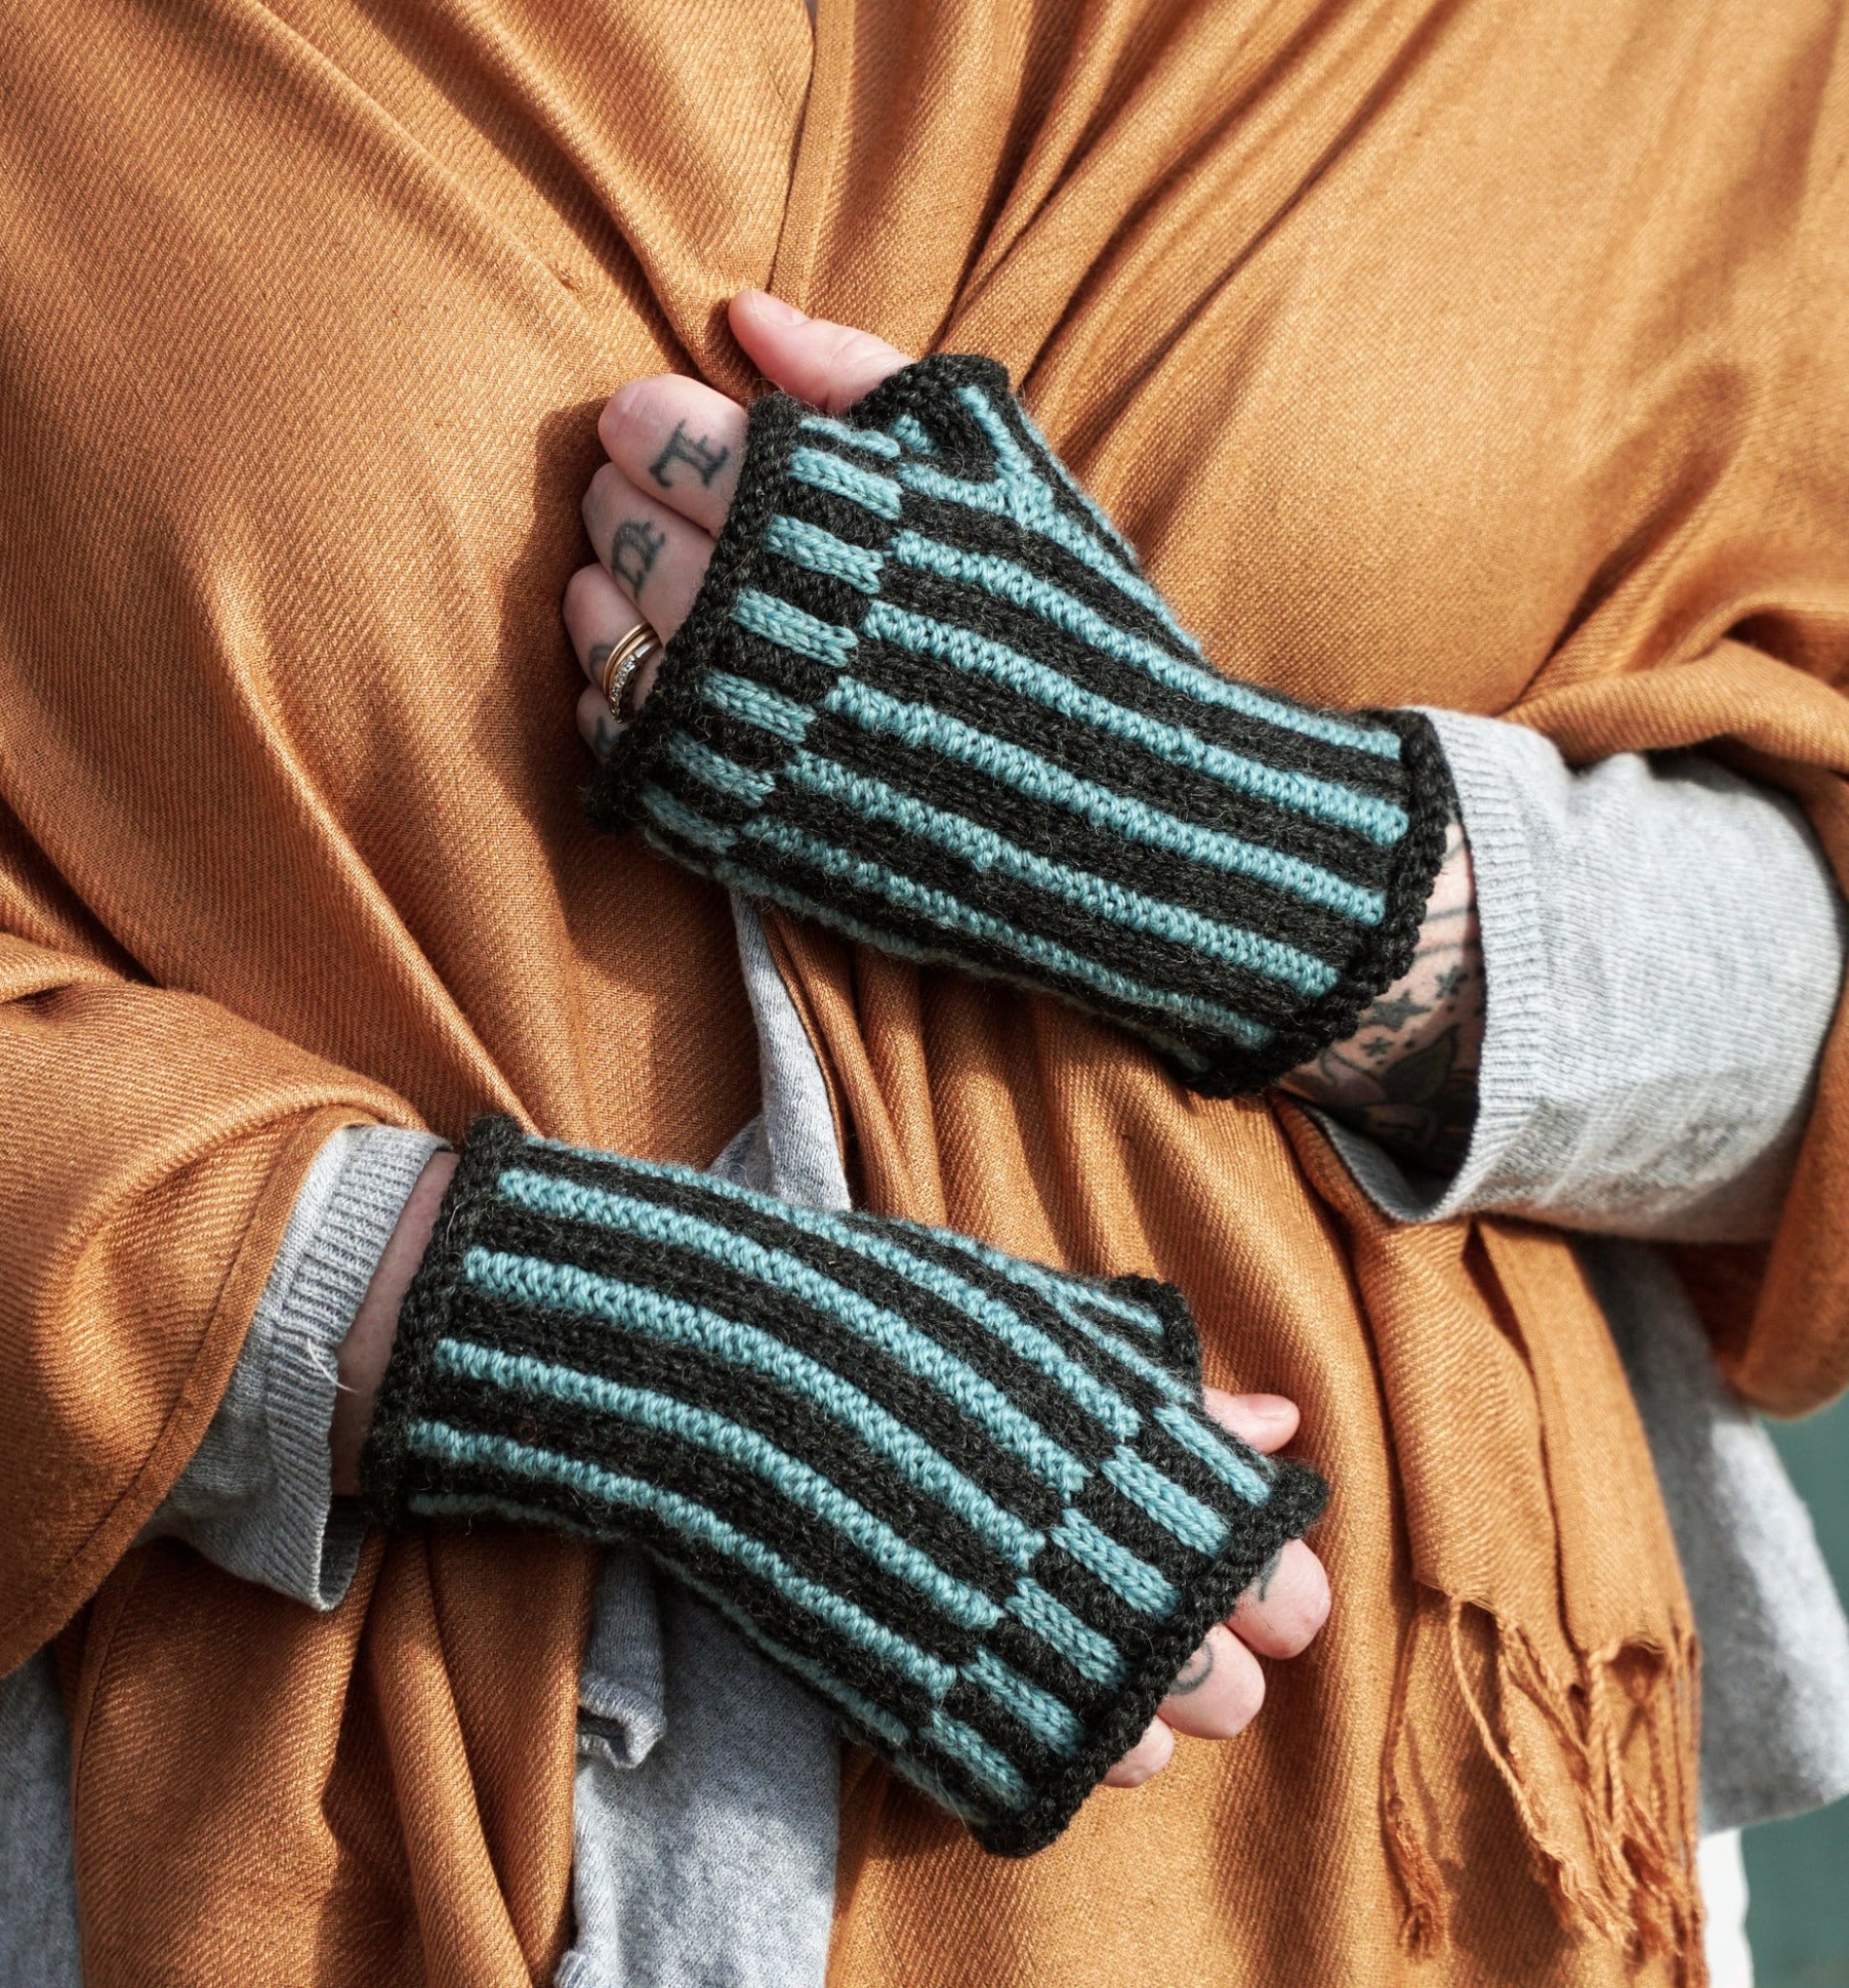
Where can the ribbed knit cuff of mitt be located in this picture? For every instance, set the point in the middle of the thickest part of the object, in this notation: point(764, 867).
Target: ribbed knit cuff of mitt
point(926, 696)
point(975, 1503)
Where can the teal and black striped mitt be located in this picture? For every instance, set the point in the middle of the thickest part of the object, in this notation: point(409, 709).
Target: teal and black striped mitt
point(926, 697)
point(975, 1503)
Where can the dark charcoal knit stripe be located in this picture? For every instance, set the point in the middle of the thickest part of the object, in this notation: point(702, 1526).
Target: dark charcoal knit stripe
point(974, 1501)
point(927, 695)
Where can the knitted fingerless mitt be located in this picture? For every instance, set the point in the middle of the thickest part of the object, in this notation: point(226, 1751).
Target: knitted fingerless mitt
point(975, 1503)
point(926, 696)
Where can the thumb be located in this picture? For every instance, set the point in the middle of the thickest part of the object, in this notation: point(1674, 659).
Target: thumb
point(828, 365)
point(1267, 1421)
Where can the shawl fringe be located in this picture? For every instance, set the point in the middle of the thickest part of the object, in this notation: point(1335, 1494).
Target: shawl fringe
point(1616, 1857)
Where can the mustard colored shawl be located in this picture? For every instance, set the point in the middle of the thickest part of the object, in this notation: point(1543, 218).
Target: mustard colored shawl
point(1460, 351)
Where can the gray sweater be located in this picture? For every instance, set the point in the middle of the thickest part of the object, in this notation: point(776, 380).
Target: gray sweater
point(1647, 1070)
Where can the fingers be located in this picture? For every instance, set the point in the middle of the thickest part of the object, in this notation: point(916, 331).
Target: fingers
point(655, 556)
point(1219, 1690)
point(1267, 1421)
point(680, 441)
point(1281, 1612)
point(598, 616)
point(1150, 1756)
point(828, 365)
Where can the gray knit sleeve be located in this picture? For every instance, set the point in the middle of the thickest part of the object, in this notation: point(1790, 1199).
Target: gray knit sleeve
point(257, 1497)
point(1662, 947)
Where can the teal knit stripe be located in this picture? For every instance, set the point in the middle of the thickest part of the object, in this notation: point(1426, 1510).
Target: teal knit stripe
point(913, 434)
point(753, 883)
point(817, 551)
point(1052, 1722)
point(1151, 1370)
point(688, 823)
point(725, 776)
point(1090, 1652)
point(924, 727)
point(1007, 579)
point(984, 1762)
point(1193, 1523)
point(1020, 1336)
point(983, 848)
point(993, 422)
point(467, 1504)
point(757, 704)
point(1225, 1462)
point(824, 471)
point(638, 1307)
point(977, 1397)
point(869, 439)
point(978, 655)
point(1064, 1291)
point(791, 627)
point(943, 909)
point(881, 1245)
point(1116, 1565)
point(705, 1429)
point(694, 1521)
point(1024, 497)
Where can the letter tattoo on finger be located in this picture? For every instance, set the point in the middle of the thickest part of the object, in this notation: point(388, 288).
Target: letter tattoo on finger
point(1194, 1674)
point(1262, 1587)
point(634, 548)
point(700, 456)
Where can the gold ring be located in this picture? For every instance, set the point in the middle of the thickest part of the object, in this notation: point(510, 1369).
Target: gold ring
point(617, 673)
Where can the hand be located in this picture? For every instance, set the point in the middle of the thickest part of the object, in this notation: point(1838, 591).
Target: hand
point(1219, 1689)
point(655, 510)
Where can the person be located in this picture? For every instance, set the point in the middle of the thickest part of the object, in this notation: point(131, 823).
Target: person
point(339, 755)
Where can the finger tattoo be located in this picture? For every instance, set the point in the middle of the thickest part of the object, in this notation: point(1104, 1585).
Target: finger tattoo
point(634, 549)
point(1267, 1573)
point(700, 456)
point(1194, 1674)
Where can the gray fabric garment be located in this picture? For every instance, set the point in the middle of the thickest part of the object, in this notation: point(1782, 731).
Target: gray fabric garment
point(256, 1498)
point(38, 1882)
point(701, 1767)
point(1775, 1676)
point(1653, 1035)
point(1648, 1065)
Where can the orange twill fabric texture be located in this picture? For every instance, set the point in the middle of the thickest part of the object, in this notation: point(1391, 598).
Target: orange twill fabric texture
point(1477, 353)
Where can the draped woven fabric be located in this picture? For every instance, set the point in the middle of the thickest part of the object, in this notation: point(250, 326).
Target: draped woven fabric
point(1470, 353)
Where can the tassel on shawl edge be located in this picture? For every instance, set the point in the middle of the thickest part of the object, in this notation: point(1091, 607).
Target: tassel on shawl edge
point(1634, 1883)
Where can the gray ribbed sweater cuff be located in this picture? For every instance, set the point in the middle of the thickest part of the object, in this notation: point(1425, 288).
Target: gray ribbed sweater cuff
point(1663, 947)
point(257, 1497)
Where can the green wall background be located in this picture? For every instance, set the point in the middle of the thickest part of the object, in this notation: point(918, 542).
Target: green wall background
point(1798, 1872)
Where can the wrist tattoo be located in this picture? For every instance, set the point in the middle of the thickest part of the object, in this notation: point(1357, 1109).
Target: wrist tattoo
point(1407, 1077)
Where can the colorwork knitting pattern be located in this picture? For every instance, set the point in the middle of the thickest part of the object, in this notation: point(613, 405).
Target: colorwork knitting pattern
point(926, 697)
point(973, 1502)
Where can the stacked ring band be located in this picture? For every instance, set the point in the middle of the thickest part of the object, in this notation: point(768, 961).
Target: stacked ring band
point(618, 675)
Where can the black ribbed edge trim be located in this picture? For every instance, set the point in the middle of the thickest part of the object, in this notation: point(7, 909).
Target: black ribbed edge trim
point(386, 1464)
point(1384, 954)
point(1297, 1501)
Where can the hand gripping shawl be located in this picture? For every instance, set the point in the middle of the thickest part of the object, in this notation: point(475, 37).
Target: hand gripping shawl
point(1480, 355)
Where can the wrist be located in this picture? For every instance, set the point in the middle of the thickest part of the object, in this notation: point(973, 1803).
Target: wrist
point(1406, 1076)
point(367, 1347)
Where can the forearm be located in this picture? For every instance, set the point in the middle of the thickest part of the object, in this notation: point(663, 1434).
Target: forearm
point(1407, 1077)
point(367, 1346)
